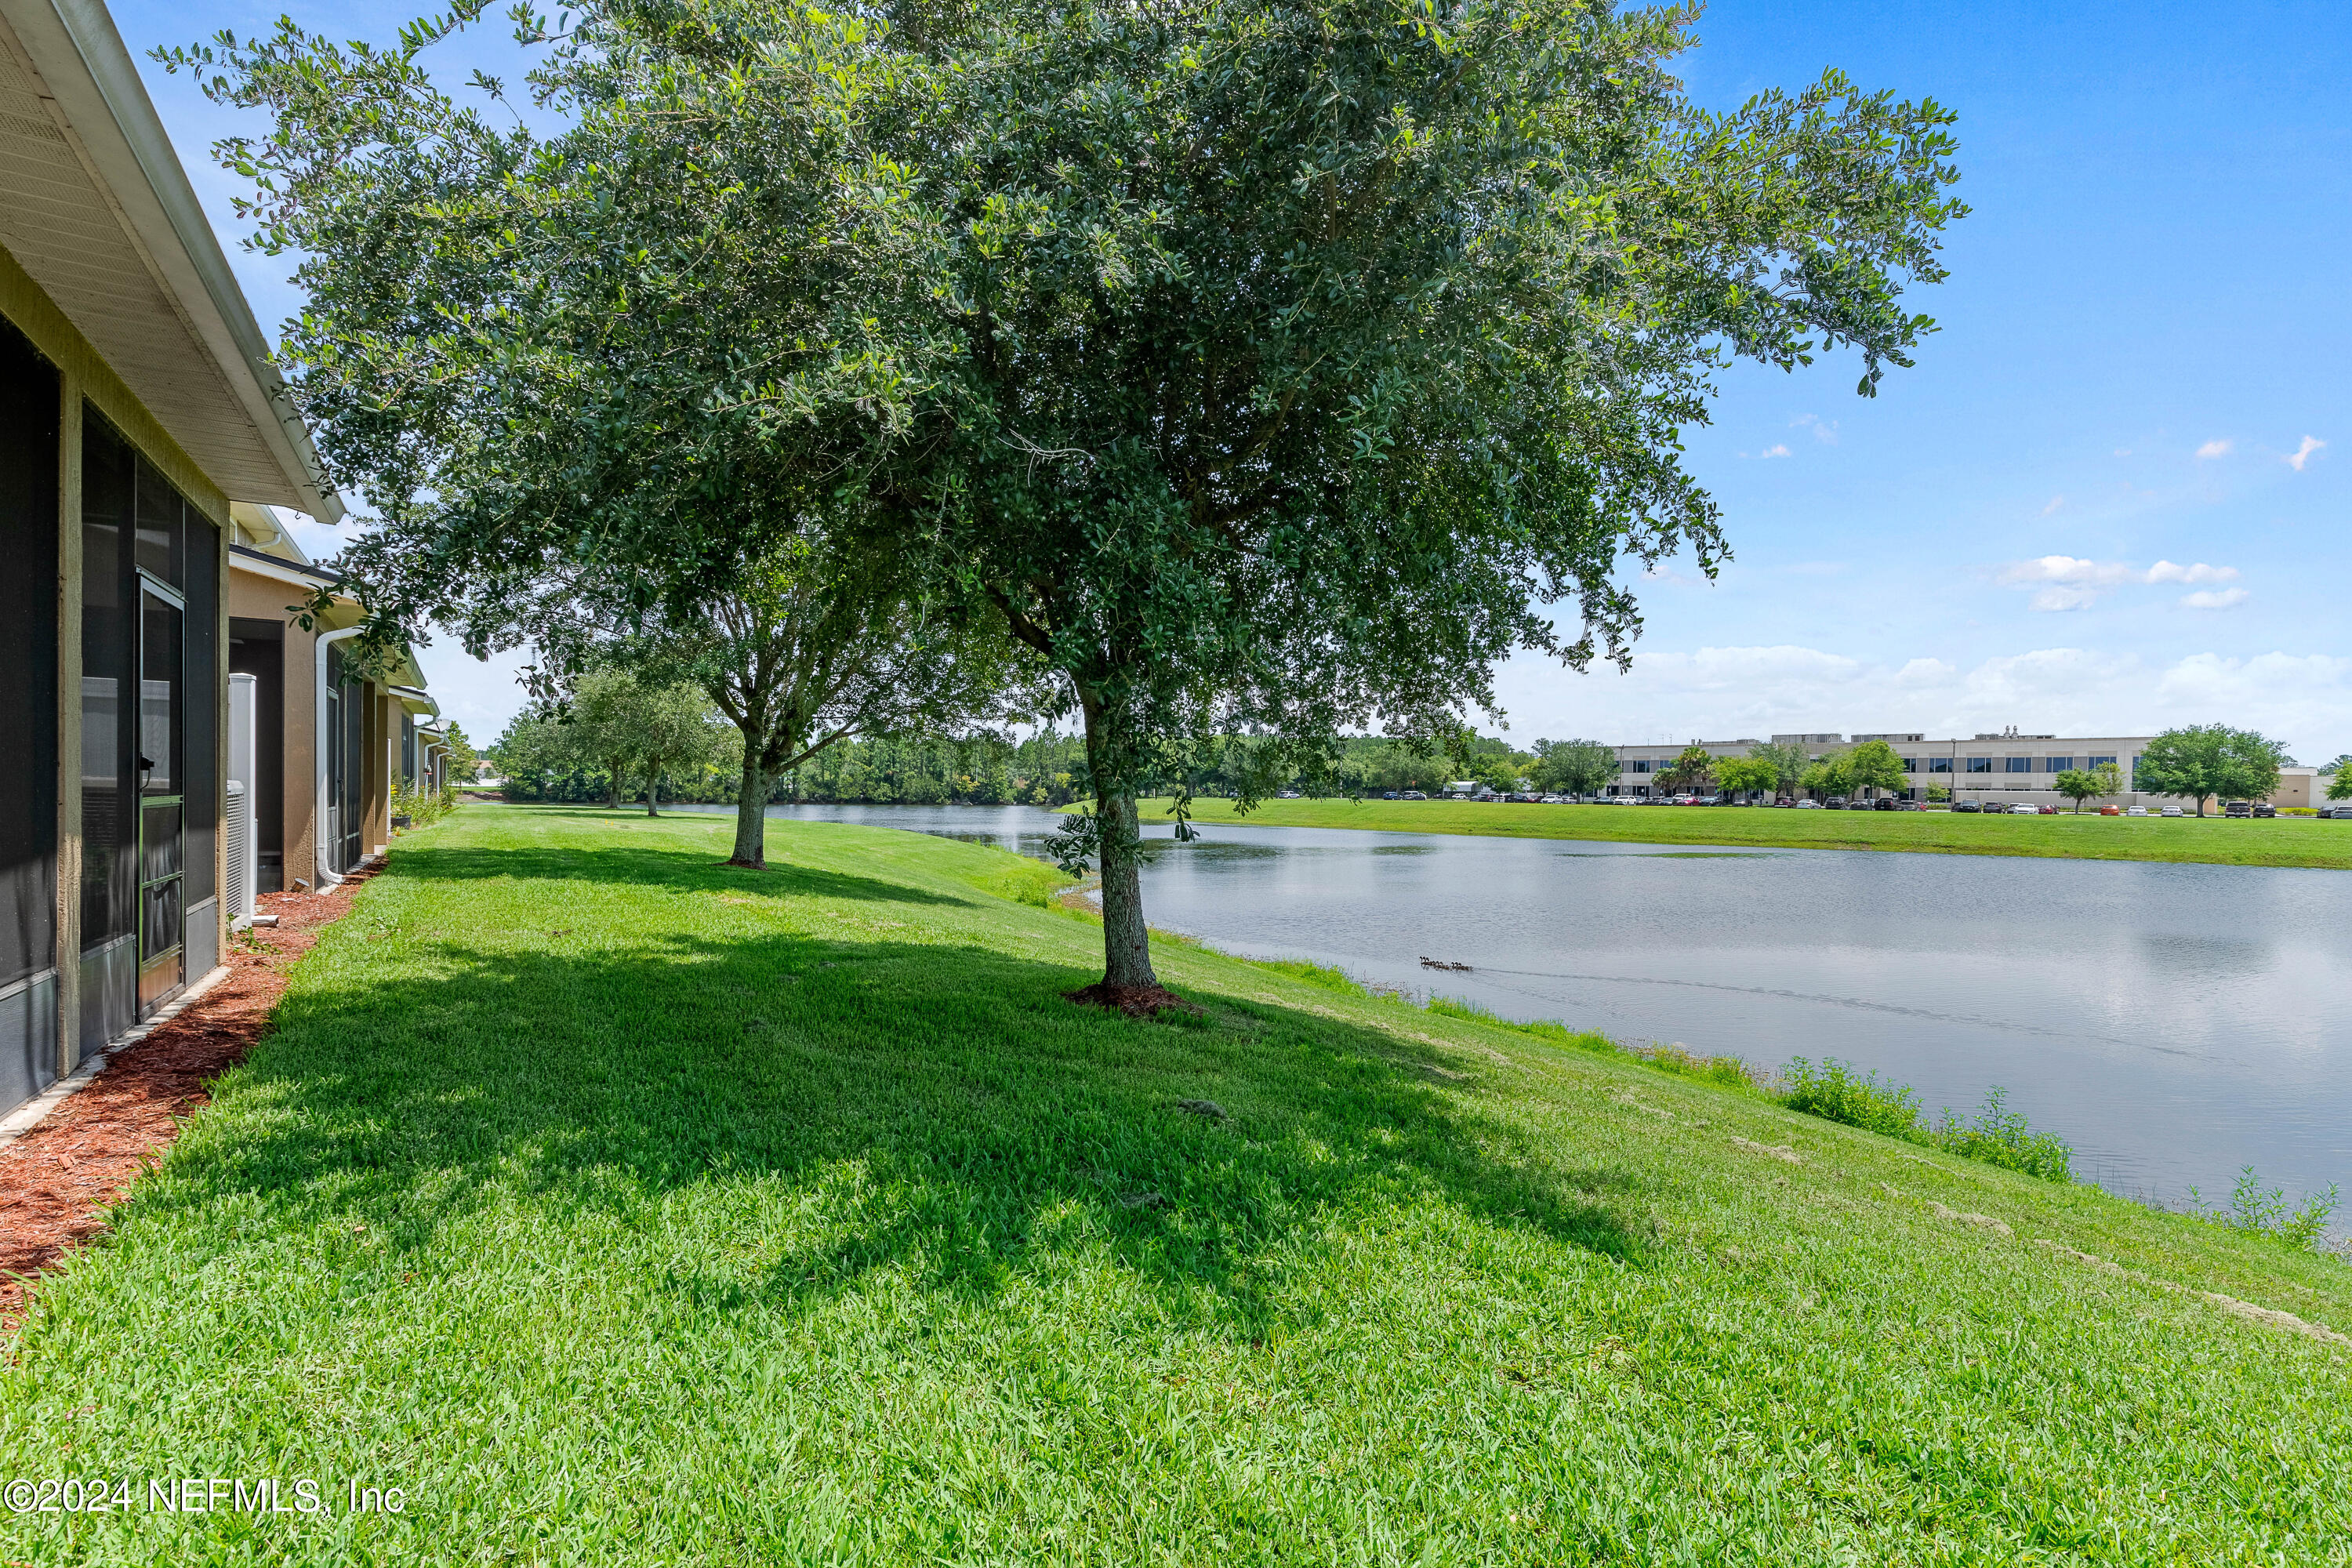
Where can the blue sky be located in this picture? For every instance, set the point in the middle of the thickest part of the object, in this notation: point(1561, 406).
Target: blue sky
point(2112, 496)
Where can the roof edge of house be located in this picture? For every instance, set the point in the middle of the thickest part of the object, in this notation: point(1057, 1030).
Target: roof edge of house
point(254, 372)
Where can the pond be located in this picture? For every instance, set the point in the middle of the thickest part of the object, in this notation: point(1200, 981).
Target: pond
point(2174, 1023)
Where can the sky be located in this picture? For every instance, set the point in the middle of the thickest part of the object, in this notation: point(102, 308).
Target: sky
point(2110, 497)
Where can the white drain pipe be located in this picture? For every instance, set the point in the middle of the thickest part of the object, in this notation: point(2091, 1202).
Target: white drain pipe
point(326, 879)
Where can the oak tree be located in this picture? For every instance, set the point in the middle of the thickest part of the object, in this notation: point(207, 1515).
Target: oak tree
point(1309, 351)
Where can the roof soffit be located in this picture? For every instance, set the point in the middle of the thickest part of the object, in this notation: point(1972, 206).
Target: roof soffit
point(96, 208)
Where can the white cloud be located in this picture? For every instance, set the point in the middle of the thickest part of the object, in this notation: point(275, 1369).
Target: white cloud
point(2302, 455)
point(2052, 505)
point(2068, 569)
point(2224, 599)
point(1722, 693)
point(1778, 450)
point(2168, 571)
point(2073, 582)
point(1824, 430)
point(2215, 448)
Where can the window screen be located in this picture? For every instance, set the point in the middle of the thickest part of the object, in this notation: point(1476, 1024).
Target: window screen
point(29, 659)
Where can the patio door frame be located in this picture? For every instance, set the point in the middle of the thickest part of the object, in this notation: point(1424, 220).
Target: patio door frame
point(153, 987)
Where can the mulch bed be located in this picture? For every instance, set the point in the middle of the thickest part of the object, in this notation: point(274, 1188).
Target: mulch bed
point(58, 1181)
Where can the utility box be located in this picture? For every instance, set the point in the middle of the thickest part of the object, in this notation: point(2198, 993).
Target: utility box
point(243, 871)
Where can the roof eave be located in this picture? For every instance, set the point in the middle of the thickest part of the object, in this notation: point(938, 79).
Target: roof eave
point(111, 111)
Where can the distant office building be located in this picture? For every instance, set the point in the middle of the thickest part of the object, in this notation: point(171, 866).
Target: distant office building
point(2006, 769)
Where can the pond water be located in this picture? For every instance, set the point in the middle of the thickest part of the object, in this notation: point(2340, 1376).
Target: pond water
point(2174, 1023)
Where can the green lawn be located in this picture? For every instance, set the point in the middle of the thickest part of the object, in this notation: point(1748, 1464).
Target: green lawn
point(2281, 841)
point(621, 1207)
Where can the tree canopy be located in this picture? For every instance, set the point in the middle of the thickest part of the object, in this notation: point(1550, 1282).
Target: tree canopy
point(2202, 762)
point(2079, 784)
point(1270, 366)
point(1575, 767)
point(1692, 769)
point(1872, 766)
point(1747, 775)
point(1311, 347)
point(1789, 762)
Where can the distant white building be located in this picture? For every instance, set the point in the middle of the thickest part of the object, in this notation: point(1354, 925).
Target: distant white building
point(2007, 768)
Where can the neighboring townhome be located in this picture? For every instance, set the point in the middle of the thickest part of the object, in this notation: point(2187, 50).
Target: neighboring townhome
point(137, 403)
point(333, 743)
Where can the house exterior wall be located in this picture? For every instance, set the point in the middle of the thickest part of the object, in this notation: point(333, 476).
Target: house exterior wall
point(86, 381)
point(252, 596)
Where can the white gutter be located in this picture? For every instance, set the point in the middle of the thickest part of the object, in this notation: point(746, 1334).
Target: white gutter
point(415, 699)
point(325, 878)
point(245, 558)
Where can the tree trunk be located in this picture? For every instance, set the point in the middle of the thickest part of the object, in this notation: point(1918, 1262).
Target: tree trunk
point(653, 791)
point(613, 786)
point(1128, 982)
point(1127, 940)
point(752, 810)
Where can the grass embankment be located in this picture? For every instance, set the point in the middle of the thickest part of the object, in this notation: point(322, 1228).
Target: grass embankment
point(2280, 841)
point(618, 1206)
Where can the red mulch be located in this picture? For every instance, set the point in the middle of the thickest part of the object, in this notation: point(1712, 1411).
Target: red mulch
point(58, 1181)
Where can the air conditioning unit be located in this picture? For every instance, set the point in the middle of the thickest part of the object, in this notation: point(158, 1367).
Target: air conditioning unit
point(242, 861)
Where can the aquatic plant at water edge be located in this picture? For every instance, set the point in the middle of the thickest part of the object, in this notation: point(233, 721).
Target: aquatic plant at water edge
point(2264, 1211)
point(1836, 1091)
point(1999, 1136)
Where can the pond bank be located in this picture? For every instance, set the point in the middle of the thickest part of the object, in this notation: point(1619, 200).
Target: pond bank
point(2284, 841)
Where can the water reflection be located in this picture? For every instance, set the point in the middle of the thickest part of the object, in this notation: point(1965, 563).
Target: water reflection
point(2173, 1021)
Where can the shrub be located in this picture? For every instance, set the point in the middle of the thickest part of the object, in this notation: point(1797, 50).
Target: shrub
point(422, 807)
point(1999, 1136)
point(2263, 1211)
point(1835, 1092)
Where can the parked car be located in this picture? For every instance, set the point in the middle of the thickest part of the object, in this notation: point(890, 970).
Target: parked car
point(1390, 795)
point(1412, 794)
point(2111, 811)
point(2136, 811)
point(2335, 814)
point(2047, 810)
point(1886, 803)
point(1286, 794)
point(1970, 806)
point(2237, 808)
point(2264, 809)
point(2172, 811)
point(1809, 806)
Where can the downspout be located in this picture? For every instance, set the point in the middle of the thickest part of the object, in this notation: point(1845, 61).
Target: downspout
point(326, 879)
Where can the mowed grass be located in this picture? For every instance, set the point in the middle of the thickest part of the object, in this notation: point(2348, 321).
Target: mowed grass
point(620, 1207)
point(2278, 841)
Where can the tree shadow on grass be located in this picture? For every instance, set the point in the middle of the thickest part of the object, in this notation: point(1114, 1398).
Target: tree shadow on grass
point(935, 1111)
point(652, 865)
